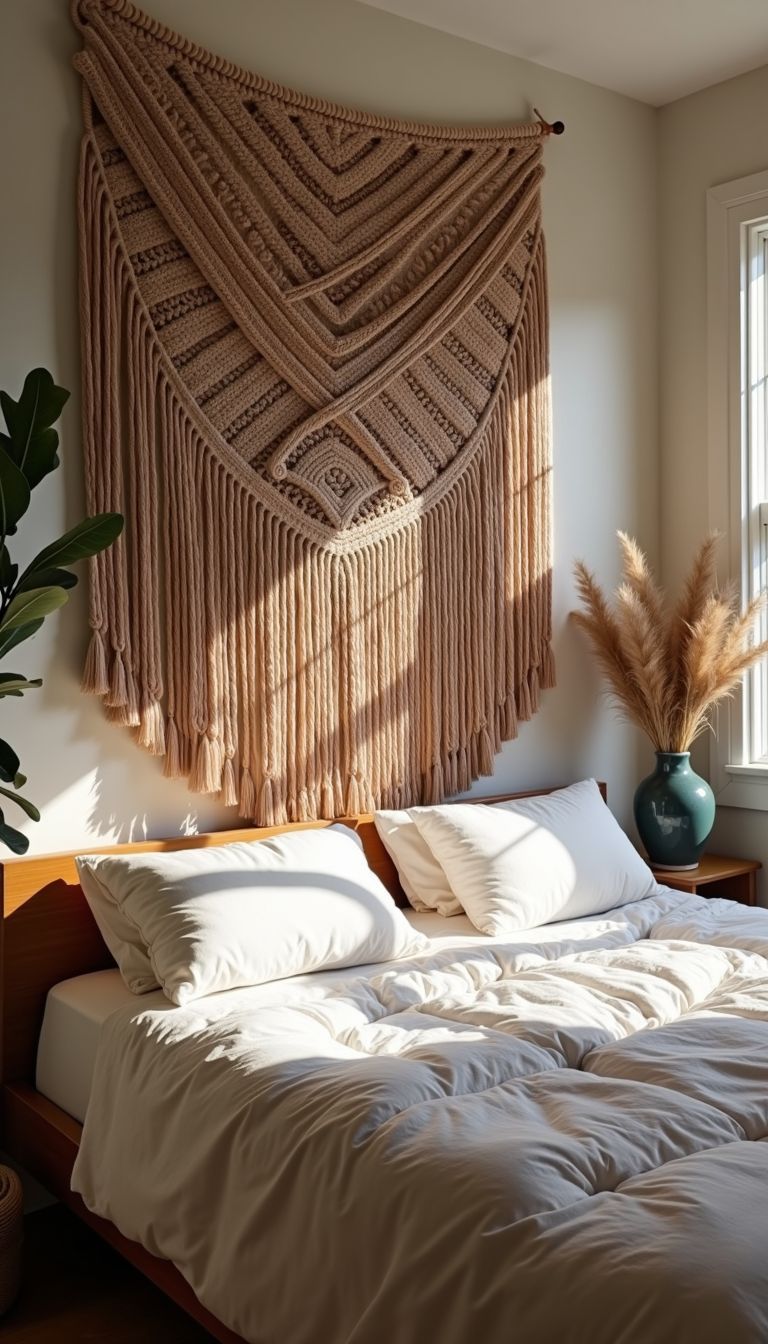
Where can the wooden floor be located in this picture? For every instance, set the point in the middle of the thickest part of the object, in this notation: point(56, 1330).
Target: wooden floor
point(76, 1290)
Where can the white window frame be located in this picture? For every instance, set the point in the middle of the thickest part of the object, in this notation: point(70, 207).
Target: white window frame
point(738, 486)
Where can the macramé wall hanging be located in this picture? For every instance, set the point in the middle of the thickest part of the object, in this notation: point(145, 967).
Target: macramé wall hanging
point(315, 355)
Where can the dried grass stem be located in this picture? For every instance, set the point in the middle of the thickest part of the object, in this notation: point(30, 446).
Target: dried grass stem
point(667, 667)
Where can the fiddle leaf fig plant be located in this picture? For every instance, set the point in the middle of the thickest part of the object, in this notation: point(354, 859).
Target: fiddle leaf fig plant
point(29, 452)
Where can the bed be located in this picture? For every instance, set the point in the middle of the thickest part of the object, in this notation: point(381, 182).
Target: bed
point(557, 1135)
point(47, 936)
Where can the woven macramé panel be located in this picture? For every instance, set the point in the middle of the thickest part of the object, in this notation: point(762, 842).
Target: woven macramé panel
point(315, 377)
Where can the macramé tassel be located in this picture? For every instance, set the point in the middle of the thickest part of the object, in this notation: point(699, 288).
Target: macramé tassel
point(151, 732)
point(547, 669)
point(125, 711)
point(172, 767)
point(436, 783)
point(267, 803)
point(228, 793)
point(327, 808)
point(509, 718)
point(524, 709)
point(496, 739)
point(338, 796)
point(95, 679)
point(462, 771)
point(207, 770)
point(117, 692)
point(131, 707)
point(474, 764)
point(355, 801)
point(247, 795)
point(119, 714)
point(279, 809)
point(484, 752)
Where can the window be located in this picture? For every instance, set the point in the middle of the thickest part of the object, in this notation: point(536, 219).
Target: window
point(754, 373)
point(738, 419)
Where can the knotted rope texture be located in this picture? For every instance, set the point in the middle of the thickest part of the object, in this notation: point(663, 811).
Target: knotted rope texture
point(315, 380)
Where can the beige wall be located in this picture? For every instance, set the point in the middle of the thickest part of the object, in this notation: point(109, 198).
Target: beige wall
point(600, 219)
point(712, 137)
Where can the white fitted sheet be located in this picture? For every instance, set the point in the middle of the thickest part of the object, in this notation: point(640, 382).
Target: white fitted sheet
point(75, 1011)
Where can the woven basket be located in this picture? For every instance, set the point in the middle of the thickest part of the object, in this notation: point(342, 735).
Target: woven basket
point(11, 1223)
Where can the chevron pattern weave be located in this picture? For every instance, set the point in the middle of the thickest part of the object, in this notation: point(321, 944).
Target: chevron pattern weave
point(315, 380)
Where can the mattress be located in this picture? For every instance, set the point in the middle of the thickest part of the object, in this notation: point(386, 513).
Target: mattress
point(76, 1010)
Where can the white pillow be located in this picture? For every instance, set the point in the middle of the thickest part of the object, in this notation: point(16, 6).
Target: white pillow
point(122, 938)
point(421, 876)
point(243, 914)
point(536, 860)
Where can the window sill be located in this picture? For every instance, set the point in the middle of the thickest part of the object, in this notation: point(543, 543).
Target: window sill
point(746, 786)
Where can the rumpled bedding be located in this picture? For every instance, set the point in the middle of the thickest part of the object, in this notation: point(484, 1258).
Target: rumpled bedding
point(555, 1138)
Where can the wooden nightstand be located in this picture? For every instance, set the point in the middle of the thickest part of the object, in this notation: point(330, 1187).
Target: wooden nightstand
point(716, 876)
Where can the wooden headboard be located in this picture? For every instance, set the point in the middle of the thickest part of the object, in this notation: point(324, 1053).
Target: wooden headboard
point(47, 932)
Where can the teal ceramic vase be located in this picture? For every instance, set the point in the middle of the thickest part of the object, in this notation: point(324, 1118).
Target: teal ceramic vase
point(674, 812)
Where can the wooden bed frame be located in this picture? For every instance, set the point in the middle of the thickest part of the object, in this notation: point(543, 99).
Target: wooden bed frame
point(47, 934)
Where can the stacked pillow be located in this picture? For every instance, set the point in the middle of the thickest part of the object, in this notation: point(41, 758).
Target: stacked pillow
point(517, 865)
point(197, 921)
point(421, 876)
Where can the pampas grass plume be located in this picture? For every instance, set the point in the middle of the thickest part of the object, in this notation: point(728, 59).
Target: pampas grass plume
point(667, 667)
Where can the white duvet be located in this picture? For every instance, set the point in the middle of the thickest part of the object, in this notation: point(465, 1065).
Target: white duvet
point(512, 1142)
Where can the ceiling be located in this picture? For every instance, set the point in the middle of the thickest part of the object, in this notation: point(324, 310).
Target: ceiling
point(654, 50)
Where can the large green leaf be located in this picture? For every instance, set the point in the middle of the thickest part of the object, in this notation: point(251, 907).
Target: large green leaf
point(23, 803)
point(14, 493)
point(47, 578)
point(32, 606)
point(88, 538)
point(13, 683)
point(33, 442)
point(12, 839)
point(8, 571)
point(10, 638)
point(9, 762)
